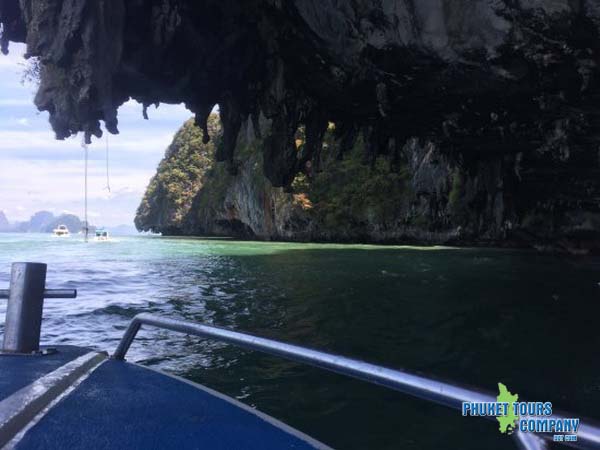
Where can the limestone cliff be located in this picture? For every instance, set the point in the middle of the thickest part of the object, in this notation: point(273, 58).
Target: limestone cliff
point(419, 196)
point(180, 176)
point(505, 92)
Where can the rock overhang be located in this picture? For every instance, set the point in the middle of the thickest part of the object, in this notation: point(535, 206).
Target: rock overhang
point(482, 79)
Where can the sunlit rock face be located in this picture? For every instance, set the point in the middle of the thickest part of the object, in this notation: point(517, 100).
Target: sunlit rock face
point(507, 90)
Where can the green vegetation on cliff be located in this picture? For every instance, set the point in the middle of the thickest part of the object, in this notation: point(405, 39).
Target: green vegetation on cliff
point(347, 199)
point(351, 193)
point(412, 194)
point(178, 179)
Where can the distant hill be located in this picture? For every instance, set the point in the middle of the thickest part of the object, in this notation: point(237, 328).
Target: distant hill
point(4, 224)
point(38, 222)
point(43, 222)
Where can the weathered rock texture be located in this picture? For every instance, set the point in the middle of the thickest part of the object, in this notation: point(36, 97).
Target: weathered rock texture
point(419, 197)
point(506, 90)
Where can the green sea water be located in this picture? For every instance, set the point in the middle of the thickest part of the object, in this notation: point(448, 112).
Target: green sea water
point(472, 316)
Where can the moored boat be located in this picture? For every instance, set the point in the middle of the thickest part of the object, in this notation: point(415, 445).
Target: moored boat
point(61, 231)
point(101, 235)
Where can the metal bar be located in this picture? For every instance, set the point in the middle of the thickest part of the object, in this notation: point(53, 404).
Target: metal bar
point(48, 293)
point(25, 305)
point(418, 386)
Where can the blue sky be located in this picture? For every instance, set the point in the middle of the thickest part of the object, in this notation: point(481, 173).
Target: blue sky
point(38, 172)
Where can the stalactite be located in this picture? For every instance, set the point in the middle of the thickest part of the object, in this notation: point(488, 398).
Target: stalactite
point(201, 119)
point(231, 118)
point(396, 69)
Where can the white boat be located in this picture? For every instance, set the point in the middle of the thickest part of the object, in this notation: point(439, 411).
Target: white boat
point(101, 235)
point(61, 231)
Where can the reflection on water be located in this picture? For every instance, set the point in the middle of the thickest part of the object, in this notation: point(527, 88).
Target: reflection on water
point(472, 316)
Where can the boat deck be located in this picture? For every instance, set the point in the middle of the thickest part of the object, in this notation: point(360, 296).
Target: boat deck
point(124, 405)
point(16, 372)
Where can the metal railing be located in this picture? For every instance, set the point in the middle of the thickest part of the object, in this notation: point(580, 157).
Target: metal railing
point(23, 325)
point(588, 435)
point(48, 293)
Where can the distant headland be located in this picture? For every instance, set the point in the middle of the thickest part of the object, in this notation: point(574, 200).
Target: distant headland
point(41, 222)
point(45, 222)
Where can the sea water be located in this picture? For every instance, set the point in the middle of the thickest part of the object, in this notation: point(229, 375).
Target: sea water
point(471, 316)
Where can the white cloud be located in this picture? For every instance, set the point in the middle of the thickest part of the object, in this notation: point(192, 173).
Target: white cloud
point(5, 63)
point(37, 172)
point(136, 141)
point(12, 61)
point(28, 186)
point(16, 102)
point(15, 57)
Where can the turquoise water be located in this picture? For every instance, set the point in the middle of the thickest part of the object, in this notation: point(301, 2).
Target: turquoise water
point(468, 315)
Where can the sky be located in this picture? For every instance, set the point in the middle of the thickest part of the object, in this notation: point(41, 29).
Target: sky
point(38, 172)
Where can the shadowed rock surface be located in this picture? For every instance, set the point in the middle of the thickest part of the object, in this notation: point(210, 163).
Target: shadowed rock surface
point(421, 197)
point(504, 91)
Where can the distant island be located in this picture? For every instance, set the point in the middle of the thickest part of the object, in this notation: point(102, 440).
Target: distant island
point(46, 222)
point(41, 222)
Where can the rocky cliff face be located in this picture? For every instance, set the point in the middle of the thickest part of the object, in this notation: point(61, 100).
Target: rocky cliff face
point(505, 91)
point(420, 196)
point(180, 176)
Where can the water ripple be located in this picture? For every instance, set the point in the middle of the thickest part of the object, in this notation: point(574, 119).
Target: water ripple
point(473, 316)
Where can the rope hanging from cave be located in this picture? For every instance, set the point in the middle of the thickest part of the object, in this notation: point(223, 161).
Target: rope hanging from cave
point(85, 147)
point(107, 169)
point(85, 190)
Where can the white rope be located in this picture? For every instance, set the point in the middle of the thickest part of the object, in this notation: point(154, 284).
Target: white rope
point(107, 172)
point(85, 196)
